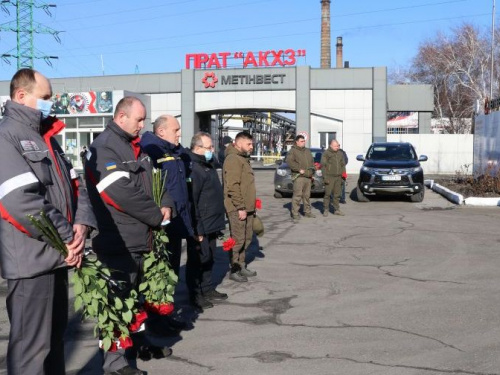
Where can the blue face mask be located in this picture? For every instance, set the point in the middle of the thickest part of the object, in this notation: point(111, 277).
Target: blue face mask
point(44, 106)
point(208, 155)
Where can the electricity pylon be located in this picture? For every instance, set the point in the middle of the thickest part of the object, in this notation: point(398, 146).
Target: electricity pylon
point(25, 27)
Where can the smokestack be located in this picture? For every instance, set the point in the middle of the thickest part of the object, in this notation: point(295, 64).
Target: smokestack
point(339, 52)
point(326, 51)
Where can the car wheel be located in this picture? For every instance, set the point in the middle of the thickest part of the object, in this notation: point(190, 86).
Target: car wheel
point(360, 196)
point(419, 197)
point(277, 194)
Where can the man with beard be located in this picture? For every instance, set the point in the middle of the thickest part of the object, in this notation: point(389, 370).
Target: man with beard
point(239, 201)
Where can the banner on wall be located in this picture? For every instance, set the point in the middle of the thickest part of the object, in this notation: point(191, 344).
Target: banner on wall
point(88, 102)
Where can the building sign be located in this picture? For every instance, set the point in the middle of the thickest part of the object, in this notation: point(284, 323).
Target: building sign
point(210, 79)
point(219, 60)
point(78, 103)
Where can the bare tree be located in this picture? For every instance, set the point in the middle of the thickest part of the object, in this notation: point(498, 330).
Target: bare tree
point(458, 67)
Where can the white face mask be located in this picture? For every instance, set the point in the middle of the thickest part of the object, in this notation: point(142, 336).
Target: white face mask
point(44, 106)
point(208, 155)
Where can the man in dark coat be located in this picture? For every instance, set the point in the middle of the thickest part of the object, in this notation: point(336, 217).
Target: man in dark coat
point(226, 141)
point(208, 221)
point(344, 178)
point(119, 179)
point(168, 155)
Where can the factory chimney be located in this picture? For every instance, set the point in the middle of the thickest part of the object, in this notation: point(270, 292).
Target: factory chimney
point(339, 52)
point(326, 50)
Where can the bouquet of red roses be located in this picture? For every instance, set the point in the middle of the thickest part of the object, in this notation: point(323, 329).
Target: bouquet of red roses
point(159, 279)
point(96, 294)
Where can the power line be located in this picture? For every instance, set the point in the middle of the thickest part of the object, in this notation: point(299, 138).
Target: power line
point(282, 35)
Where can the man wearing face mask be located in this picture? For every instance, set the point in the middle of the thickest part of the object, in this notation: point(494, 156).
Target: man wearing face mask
point(37, 178)
point(208, 221)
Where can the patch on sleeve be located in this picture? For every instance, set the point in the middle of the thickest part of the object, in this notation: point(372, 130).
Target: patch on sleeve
point(166, 158)
point(111, 165)
point(29, 146)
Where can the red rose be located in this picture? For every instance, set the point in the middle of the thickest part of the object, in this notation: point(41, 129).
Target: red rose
point(228, 244)
point(258, 204)
point(113, 347)
point(344, 175)
point(160, 309)
point(166, 308)
point(125, 342)
point(139, 318)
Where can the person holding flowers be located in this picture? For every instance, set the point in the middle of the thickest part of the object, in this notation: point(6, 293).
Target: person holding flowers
point(119, 180)
point(208, 220)
point(37, 179)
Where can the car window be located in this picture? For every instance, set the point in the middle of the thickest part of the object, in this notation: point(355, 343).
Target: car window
point(391, 152)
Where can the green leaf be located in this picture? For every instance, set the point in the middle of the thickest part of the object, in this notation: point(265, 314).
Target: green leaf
point(118, 303)
point(77, 287)
point(78, 303)
point(147, 263)
point(112, 316)
point(106, 343)
point(127, 316)
point(143, 286)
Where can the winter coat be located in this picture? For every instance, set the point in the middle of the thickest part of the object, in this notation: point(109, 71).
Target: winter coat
point(119, 180)
point(332, 163)
point(174, 161)
point(346, 159)
point(35, 177)
point(207, 197)
point(239, 181)
point(300, 158)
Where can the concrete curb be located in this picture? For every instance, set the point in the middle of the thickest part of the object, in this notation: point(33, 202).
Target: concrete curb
point(459, 198)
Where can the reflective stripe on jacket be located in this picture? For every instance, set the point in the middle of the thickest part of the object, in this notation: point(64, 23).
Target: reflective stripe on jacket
point(119, 180)
point(35, 176)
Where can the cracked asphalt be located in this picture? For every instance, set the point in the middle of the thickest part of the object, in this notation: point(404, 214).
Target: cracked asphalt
point(392, 288)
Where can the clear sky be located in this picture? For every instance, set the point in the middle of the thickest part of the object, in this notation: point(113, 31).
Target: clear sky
point(151, 36)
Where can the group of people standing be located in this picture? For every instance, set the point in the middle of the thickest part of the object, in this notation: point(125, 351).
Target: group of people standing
point(333, 169)
point(116, 209)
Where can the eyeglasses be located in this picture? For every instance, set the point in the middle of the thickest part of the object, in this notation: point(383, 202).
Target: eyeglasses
point(206, 148)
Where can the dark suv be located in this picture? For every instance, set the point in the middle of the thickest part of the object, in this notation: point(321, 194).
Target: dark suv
point(391, 168)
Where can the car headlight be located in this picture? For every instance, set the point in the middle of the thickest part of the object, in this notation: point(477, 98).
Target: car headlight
point(417, 169)
point(281, 172)
point(366, 169)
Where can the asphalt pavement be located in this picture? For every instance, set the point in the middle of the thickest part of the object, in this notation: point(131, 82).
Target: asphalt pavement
point(392, 288)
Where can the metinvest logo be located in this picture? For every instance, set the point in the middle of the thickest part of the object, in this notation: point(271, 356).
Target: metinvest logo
point(209, 80)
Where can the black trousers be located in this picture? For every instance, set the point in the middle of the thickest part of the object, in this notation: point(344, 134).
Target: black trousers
point(199, 265)
point(38, 315)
